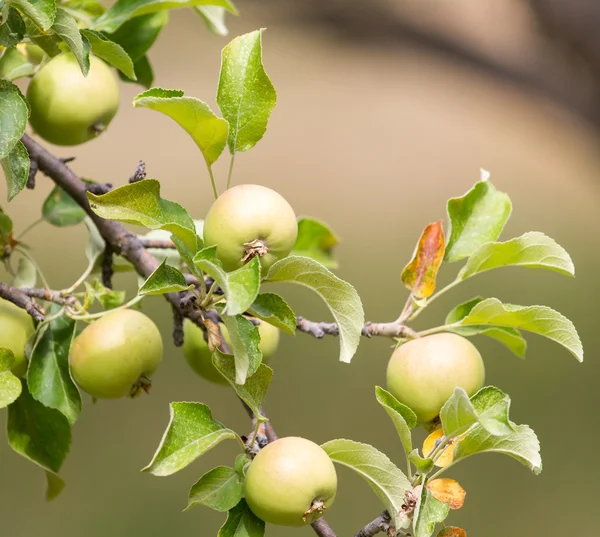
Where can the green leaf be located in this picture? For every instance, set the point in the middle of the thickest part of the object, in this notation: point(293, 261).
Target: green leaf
point(140, 203)
point(242, 522)
point(531, 250)
point(386, 480)
point(10, 386)
point(165, 279)
point(192, 431)
point(220, 489)
point(110, 52)
point(144, 72)
point(492, 406)
point(240, 286)
point(92, 8)
point(245, 339)
point(522, 444)
point(26, 275)
point(404, 418)
point(316, 240)
point(66, 27)
point(475, 219)
point(48, 375)
point(214, 19)
point(54, 485)
point(423, 466)
point(61, 210)
point(428, 513)
point(14, 112)
point(12, 29)
point(14, 65)
point(137, 35)
point(108, 298)
point(123, 10)
point(38, 433)
point(246, 96)
point(457, 414)
point(208, 131)
point(540, 320)
point(341, 298)
point(42, 12)
point(273, 309)
point(510, 337)
point(16, 168)
point(254, 390)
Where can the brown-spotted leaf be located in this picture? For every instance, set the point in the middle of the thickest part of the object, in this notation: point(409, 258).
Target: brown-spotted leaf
point(452, 531)
point(448, 491)
point(447, 454)
point(420, 274)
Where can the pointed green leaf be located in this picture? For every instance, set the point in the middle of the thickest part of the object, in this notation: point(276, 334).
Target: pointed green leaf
point(140, 203)
point(54, 485)
point(317, 241)
point(61, 210)
point(16, 168)
point(12, 29)
point(110, 52)
point(14, 112)
point(10, 386)
point(492, 406)
point(475, 219)
point(457, 414)
point(428, 513)
point(123, 10)
point(208, 131)
point(165, 279)
point(49, 376)
point(273, 309)
point(192, 431)
point(404, 418)
point(540, 320)
point(42, 12)
point(214, 19)
point(245, 338)
point(137, 35)
point(143, 72)
point(242, 522)
point(246, 96)
point(384, 477)
point(220, 489)
point(66, 27)
point(339, 296)
point(14, 65)
point(531, 250)
point(254, 390)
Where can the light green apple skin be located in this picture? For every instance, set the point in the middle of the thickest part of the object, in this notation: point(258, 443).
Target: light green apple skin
point(245, 213)
point(16, 326)
point(68, 108)
point(199, 357)
point(424, 372)
point(286, 477)
point(110, 355)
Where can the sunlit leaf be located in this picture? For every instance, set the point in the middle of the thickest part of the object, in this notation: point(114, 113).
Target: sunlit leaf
point(42, 12)
point(110, 52)
point(10, 386)
point(165, 279)
point(403, 418)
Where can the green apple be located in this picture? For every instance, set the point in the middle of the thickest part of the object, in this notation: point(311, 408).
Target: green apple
point(199, 357)
point(116, 354)
point(247, 221)
point(15, 328)
point(424, 372)
point(68, 108)
point(291, 482)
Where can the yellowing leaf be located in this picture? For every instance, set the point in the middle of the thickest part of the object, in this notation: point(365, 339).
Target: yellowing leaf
point(447, 491)
point(420, 274)
point(452, 531)
point(447, 454)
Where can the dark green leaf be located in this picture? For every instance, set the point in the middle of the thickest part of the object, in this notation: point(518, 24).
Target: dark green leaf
point(10, 386)
point(12, 29)
point(245, 339)
point(220, 489)
point(428, 513)
point(273, 309)
point(140, 203)
point(42, 12)
point(404, 418)
point(214, 18)
point(144, 72)
point(66, 27)
point(208, 131)
point(241, 522)
point(165, 279)
point(16, 169)
point(316, 240)
point(110, 52)
point(54, 485)
point(339, 296)
point(475, 219)
point(457, 414)
point(192, 431)
point(14, 65)
point(246, 96)
point(49, 376)
point(14, 112)
point(137, 35)
point(62, 210)
point(254, 390)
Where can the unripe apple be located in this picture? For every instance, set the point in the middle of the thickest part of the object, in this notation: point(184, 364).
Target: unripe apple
point(199, 357)
point(247, 221)
point(291, 482)
point(68, 108)
point(116, 354)
point(424, 372)
point(15, 328)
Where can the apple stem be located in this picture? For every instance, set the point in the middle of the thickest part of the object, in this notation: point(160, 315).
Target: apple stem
point(254, 248)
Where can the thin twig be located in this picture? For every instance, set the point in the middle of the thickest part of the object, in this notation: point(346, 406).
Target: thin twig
point(370, 329)
point(379, 525)
point(158, 243)
point(19, 298)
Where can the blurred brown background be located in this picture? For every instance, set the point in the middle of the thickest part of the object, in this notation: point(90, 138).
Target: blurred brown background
point(384, 111)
